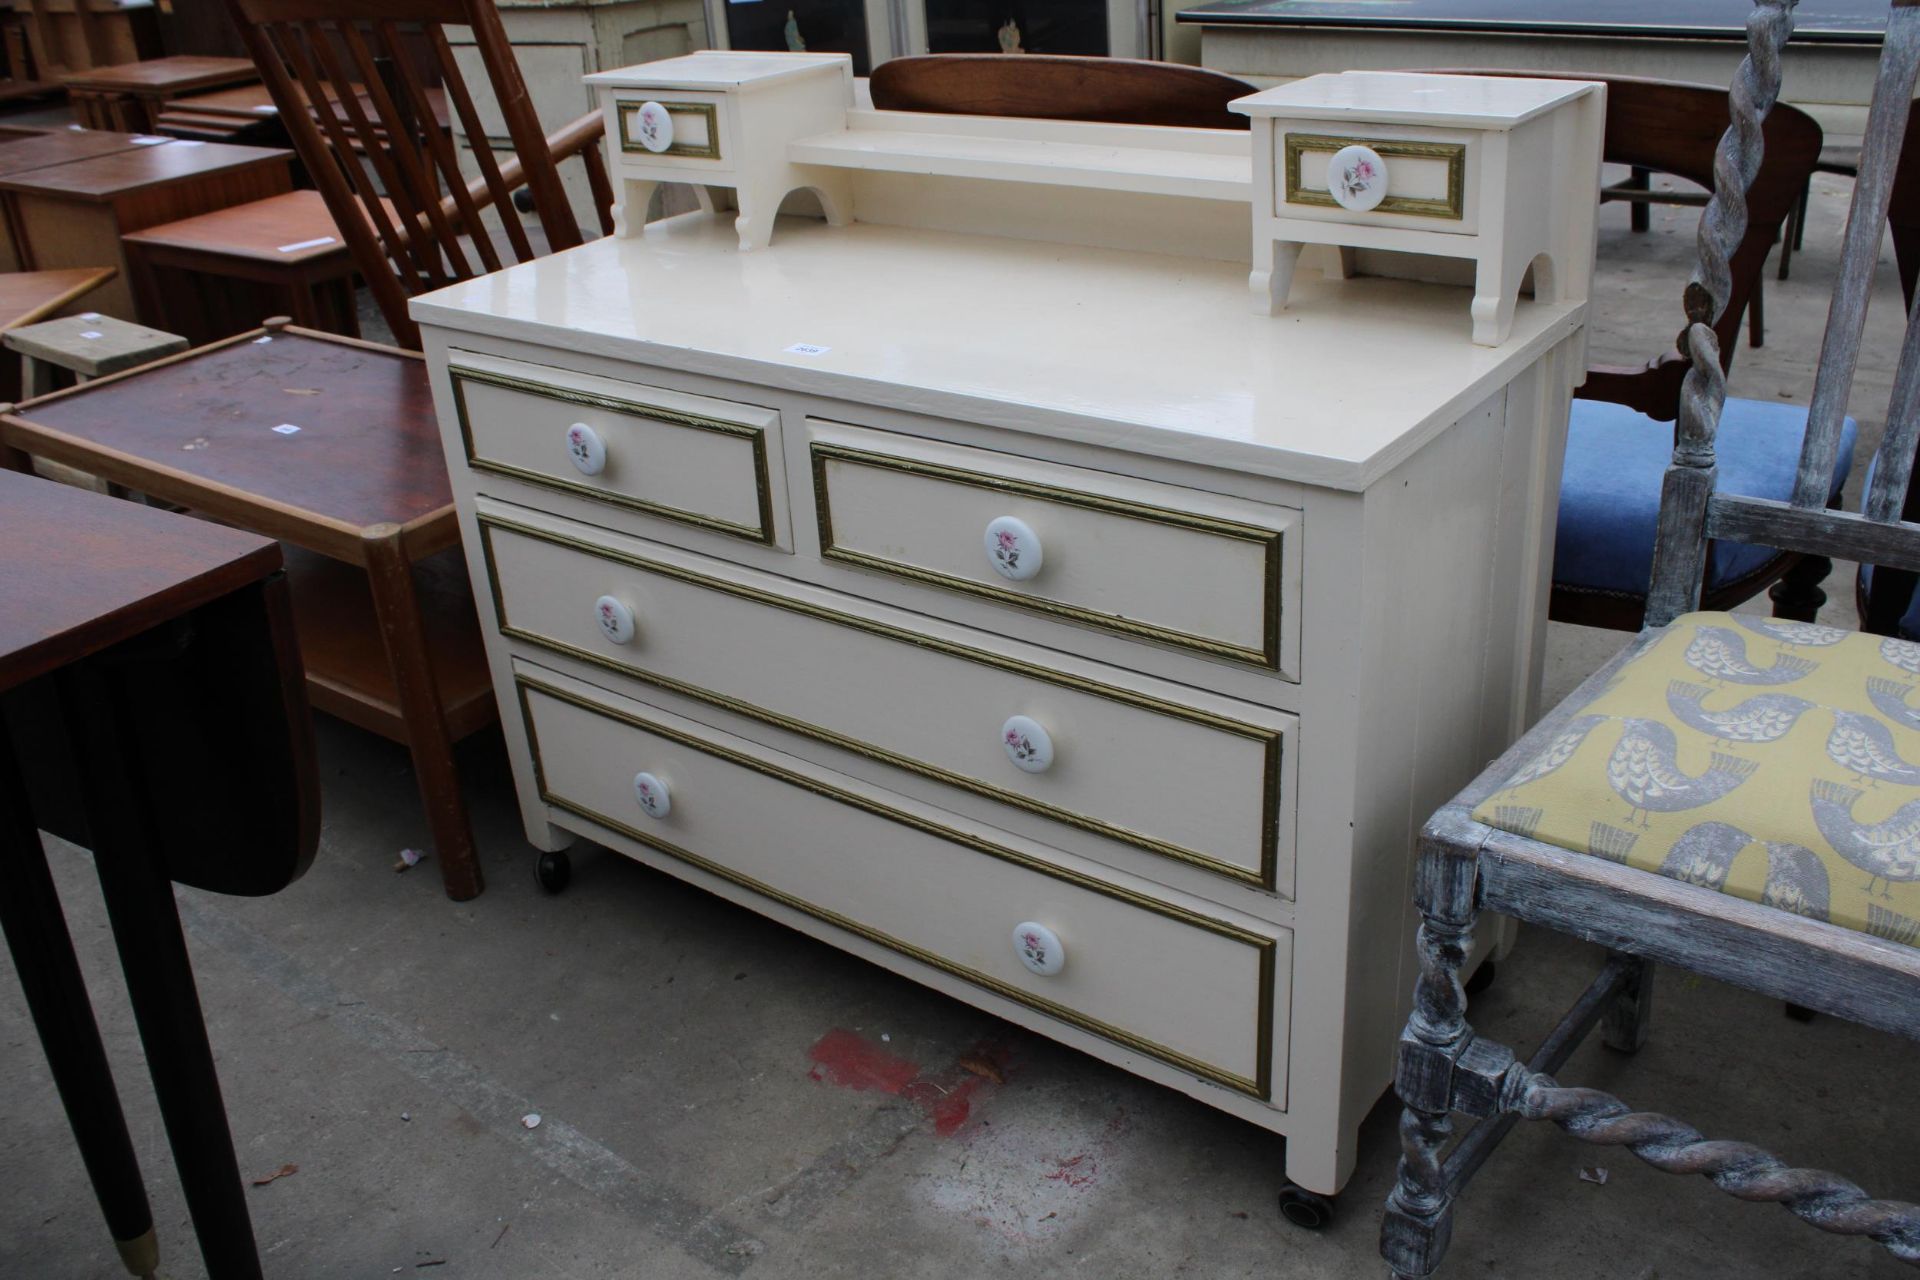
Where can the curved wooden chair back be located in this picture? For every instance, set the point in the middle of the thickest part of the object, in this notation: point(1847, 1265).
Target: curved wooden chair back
point(371, 64)
point(1670, 127)
point(1056, 87)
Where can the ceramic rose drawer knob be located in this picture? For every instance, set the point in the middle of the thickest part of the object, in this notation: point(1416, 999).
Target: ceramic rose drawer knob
point(615, 617)
point(656, 801)
point(1027, 743)
point(655, 127)
point(586, 449)
point(1039, 948)
point(1357, 177)
point(1013, 548)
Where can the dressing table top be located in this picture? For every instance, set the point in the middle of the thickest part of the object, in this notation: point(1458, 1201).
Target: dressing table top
point(1150, 353)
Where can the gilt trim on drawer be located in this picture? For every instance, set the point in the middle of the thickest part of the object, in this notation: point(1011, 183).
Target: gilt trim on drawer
point(1452, 207)
point(1273, 741)
point(1266, 948)
point(1272, 540)
point(459, 375)
point(711, 151)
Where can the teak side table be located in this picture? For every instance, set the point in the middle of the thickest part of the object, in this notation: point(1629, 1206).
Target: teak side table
point(329, 444)
point(144, 654)
point(131, 94)
point(73, 215)
point(43, 151)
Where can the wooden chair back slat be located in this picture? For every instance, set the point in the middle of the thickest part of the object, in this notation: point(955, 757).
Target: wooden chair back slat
point(1860, 251)
point(1058, 87)
point(358, 84)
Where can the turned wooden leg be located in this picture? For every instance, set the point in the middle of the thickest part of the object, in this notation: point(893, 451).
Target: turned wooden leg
point(1798, 595)
point(1419, 1217)
point(397, 607)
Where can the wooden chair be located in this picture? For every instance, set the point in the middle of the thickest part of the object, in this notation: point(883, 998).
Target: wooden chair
point(1700, 800)
point(380, 140)
point(1057, 87)
point(1618, 439)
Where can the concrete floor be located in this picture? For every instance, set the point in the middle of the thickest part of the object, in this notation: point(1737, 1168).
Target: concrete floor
point(694, 1064)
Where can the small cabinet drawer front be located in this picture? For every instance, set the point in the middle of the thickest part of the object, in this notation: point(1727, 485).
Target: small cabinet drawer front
point(1128, 759)
point(1196, 571)
point(694, 136)
point(1420, 182)
point(689, 459)
point(1158, 978)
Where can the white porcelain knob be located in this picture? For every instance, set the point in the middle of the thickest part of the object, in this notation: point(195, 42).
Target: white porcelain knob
point(1039, 948)
point(655, 800)
point(656, 127)
point(615, 617)
point(1028, 744)
point(1357, 177)
point(587, 449)
point(1013, 548)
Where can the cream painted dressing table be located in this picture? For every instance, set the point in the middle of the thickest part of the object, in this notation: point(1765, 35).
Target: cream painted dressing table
point(979, 586)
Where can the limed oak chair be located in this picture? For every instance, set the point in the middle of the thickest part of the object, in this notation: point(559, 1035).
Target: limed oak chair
point(1737, 796)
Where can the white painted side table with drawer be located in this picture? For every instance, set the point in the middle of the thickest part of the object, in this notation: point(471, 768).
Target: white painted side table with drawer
point(1020, 612)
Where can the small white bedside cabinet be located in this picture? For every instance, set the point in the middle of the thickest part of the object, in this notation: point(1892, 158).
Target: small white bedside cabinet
point(980, 587)
point(723, 121)
point(1501, 170)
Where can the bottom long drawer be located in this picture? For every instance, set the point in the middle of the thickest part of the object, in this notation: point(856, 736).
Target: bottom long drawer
point(1161, 979)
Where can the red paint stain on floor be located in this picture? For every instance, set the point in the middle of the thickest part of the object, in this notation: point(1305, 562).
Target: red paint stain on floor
point(851, 1061)
point(1076, 1171)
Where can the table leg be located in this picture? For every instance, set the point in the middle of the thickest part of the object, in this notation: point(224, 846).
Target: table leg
point(397, 607)
point(56, 995)
point(153, 956)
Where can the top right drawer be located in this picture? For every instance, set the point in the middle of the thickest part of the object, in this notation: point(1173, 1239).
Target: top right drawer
point(1201, 572)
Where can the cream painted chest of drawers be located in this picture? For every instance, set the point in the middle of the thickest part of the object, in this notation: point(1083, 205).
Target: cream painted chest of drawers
point(755, 537)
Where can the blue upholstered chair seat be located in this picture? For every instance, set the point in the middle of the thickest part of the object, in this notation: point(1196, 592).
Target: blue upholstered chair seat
point(1610, 488)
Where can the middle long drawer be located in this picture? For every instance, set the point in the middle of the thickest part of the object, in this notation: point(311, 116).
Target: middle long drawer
point(1133, 759)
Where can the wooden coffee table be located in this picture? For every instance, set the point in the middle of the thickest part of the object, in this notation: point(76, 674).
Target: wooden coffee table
point(331, 445)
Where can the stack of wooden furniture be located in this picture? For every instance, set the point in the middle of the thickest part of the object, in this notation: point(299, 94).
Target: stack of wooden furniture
point(130, 96)
point(78, 35)
point(975, 581)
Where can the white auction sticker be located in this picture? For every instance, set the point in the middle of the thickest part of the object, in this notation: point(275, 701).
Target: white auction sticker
point(92, 333)
point(286, 429)
point(298, 245)
point(808, 349)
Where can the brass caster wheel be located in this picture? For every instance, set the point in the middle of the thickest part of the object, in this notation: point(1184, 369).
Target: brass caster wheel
point(1304, 1208)
point(553, 870)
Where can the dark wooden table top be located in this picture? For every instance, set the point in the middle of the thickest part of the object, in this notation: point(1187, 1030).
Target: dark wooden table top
point(177, 74)
point(264, 230)
point(107, 177)
point(30, 296)
point(1815, 21)
point(199, 429)
point(248, 101)
point(64, 146)
point(80, 571)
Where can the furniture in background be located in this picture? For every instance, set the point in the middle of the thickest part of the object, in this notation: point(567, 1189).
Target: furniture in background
point(1090, 733)
point(87, 346)
point(1829, 70)
point(1619, 438)
point(1039, 87)
point(28, 297)
point(329, 445)
point(19, 76)
point(75, 214)
point(1731, 794)
point(218, 273)
point(151, 711)
point(872, 34)
point(244, 115)
point(26, 152)
point(556, 42)
point(131, 95)
point(75, 35)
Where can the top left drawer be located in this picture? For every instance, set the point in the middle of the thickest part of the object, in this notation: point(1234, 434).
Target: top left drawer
point(685, 458)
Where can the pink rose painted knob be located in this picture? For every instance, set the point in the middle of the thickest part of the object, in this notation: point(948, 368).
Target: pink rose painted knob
point(615, 617)
point(1013, 548)
point(656, 127)
point(655, 800)
point(1357, 177)
point(586, 449)
point(1027, 743)
point(1039, 948)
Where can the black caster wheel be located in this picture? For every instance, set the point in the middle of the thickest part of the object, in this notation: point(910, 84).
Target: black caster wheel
point(553, 870)
point(1482, 977)
point(1304, 1208)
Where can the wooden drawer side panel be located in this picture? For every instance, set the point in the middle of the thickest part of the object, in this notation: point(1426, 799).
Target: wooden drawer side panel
point(1209, 539)
point(1177, 985)
point(698, 469)
point(927, 705)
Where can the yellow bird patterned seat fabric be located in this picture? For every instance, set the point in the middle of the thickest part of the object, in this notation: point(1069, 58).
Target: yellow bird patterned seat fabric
point(1776, 761)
